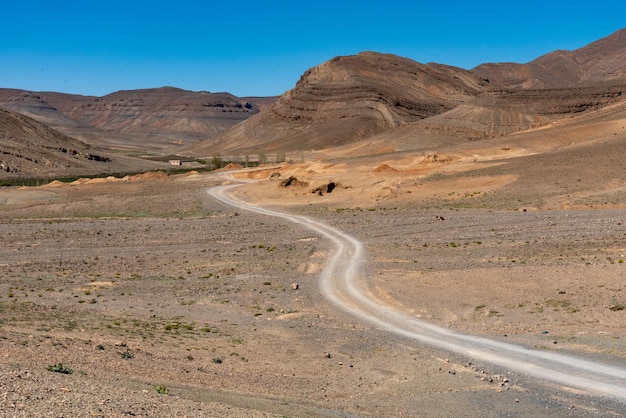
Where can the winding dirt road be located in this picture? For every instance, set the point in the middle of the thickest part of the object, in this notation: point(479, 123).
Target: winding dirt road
point(343, 284)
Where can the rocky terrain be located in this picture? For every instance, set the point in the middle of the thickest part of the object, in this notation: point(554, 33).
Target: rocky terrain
point(31, 150)
point(368, 93)
point(482, 208)
point(396, 103)
point(150, 120)
point(145, 297)
point(599, 62)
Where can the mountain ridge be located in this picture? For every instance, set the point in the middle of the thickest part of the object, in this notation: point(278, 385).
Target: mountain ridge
point(602, 61)
point(350, 99)
point(367, 97)
point(166, 116)
point(29, 148)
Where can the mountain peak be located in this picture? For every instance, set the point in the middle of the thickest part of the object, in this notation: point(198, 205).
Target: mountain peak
point(349, 98)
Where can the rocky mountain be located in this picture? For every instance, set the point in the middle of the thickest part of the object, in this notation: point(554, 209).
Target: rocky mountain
point(370, 101)
point(382, 97)
point(149, 119)
point(31, 149)
point(351, 98)
point(603, 61)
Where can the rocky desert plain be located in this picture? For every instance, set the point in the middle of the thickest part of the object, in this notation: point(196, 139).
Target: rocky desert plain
point(489, 202)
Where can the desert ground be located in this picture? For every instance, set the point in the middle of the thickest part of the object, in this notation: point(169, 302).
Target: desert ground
point(489, 202)
point(161, 301)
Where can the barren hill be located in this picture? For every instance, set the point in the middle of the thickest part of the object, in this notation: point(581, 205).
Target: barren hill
point(350, 98)
point(149, 119)
point(603, 61)
point(398, 104)
point(354, 105)
point(151, 111)
point(31, 149)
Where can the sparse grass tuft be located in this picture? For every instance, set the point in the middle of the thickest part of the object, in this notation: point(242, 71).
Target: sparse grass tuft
point(127, 355)
point(564, 304)
point(60, 368)
point(163, 390)
point(617, 306)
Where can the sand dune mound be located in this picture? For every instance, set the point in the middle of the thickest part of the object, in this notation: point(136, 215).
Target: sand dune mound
point(231, 166)
point(433, 158)
point(384, 168)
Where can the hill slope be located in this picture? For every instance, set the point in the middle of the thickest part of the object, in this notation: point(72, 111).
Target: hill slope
point(350, 98)
point(31, 149)
point(399, 104)
point(149, 119)
point(603, 61)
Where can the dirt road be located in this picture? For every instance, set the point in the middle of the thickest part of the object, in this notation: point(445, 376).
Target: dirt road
point(342, 282)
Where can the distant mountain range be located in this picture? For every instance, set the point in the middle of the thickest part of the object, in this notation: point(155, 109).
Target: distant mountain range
point(150, 119)
point(368, 98)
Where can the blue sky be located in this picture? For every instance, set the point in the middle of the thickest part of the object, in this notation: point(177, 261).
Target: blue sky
point(261, 48)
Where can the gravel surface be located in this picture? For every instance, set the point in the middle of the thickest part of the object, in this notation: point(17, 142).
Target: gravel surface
point(165, 303)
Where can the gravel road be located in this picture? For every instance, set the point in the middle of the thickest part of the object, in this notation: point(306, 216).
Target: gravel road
point(342, 282)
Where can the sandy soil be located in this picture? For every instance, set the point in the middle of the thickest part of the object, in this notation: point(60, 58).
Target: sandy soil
point(164, 303)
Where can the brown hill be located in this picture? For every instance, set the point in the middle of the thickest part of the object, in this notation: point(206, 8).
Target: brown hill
point(31, 149)
point(603, 61)
point(502, 112)
point(153, 111)
point(33, 105)
point(158, 119)
point(354, 105)
point(381, 103)
point(350, 98)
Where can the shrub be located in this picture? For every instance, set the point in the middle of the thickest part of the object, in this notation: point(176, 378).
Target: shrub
point(127, 355)
point(59, 368)
point(163, 390)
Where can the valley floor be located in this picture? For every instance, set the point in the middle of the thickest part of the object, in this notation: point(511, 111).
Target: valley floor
point(162, 302)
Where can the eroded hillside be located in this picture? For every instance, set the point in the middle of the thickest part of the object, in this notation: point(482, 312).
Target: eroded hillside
point(160, 119)
point(399, 104)
point(351, 98)
point(31, 149)
point(603, 61)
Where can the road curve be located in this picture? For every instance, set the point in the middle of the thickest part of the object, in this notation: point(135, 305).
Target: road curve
point(342, 283)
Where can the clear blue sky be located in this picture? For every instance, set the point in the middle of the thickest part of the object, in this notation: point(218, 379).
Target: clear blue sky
point(96, 47)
